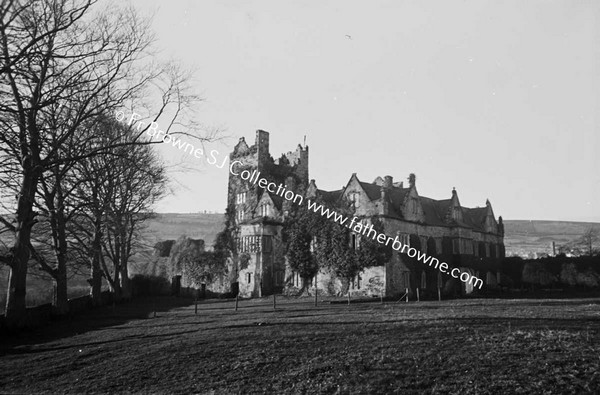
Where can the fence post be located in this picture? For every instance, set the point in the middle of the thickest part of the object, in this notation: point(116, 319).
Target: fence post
point(274, 300)
point(237, 297)
point(418, 298)
point(196, 303)
point(439, 294)
point(316, 292)
point(406, 295)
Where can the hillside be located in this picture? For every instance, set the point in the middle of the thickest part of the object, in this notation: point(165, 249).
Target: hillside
point(523, 237)
point(170, 226)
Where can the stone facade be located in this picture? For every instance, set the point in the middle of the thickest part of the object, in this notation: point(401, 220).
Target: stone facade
point(258, 264)
point(468, 238)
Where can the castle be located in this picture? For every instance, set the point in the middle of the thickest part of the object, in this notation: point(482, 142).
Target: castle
point(468, 238)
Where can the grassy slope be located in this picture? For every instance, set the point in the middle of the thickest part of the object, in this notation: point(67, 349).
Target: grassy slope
point(461, 346)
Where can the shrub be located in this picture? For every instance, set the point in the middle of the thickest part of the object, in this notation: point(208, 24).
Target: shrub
point(147, 285)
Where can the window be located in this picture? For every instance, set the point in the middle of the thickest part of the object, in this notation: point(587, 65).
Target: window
point(265, 210)
point(249, 277)
point(353, 242)
point(355, 199)
point(240, 215)
point(253, 244)
point(456, 246)
point(313, 244)
point(487, 249)
point(467, 247)
point(241, 198)
point(415, 205)
point(404, 239)
point(475, 249)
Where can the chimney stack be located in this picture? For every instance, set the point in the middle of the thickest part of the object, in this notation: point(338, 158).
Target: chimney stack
point(412, 180)
point(388, 181)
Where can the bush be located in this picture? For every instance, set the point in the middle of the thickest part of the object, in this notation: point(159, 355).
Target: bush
point(146, 285)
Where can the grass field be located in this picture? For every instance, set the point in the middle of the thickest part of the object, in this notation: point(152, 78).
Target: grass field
point(461, 346)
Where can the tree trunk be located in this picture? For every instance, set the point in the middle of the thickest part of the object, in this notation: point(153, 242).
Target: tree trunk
point(17, 283)
point(116, 284)
point(96, 270)
point(61, 304)
point(15, 298)
point(124, 255)
point(96, 285)
point(125, 283)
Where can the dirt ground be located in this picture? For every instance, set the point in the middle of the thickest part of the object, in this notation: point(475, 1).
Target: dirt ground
point(462, 346)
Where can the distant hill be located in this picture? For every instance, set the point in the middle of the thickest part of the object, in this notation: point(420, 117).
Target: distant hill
point(196, 226)
point(521, 236)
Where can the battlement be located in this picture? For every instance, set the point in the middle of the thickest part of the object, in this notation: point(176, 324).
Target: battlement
point(290, 166)
point(260, 147)
point(294, 158)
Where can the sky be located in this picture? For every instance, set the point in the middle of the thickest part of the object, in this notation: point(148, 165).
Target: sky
point(499, 99)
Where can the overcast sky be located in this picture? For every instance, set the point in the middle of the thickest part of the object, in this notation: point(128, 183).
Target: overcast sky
point(499, 99)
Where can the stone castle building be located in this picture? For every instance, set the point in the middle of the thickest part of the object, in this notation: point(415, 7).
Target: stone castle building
point(467, 238)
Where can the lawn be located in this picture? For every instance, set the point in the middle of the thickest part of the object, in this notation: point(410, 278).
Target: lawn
point(461, 346)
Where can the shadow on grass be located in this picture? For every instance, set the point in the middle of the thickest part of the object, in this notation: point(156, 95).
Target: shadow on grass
point(94, 319)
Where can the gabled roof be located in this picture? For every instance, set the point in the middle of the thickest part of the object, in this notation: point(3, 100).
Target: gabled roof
point(396, 198)
point(277, 200)
point(330, 196)
point(436, 212)
point(373, 191)
point(475, 217)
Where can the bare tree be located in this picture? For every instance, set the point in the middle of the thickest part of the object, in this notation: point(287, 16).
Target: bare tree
point(587, 240)
point(137, 180)
point(61, 69)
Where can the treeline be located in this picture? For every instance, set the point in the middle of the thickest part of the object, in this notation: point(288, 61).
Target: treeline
point(76, 182)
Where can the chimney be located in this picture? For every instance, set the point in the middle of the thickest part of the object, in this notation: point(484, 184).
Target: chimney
point(388, 181)
point(262, 146)
point(412, 180)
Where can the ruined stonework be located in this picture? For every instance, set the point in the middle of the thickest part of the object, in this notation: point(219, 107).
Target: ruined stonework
point(467, 238)
point(257, 215)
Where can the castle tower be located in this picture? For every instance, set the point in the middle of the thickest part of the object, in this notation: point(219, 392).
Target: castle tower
point(256, 216)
